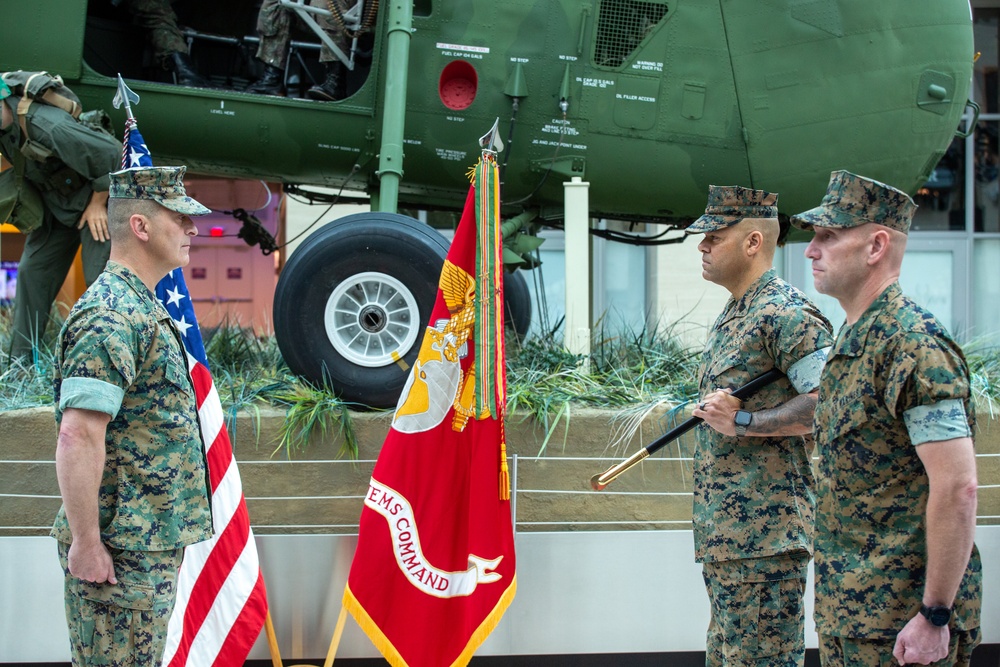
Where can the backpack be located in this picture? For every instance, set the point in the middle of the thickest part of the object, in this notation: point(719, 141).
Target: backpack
point(20, 202)
point(45, 88)
point(49, 89)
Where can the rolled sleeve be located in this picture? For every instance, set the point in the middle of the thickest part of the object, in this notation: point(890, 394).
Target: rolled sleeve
point(97, 364)
point(101, 183)
point(91, 394)
point(944, 420)
point(804, 374)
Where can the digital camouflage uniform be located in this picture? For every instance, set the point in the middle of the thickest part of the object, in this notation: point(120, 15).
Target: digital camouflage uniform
point(754, 496)
point(79, 165)
point(274, 26)
point(158, 19)
point(120, 353)
point(895, 379)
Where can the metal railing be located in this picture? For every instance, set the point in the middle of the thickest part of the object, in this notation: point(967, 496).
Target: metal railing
point(581, 508)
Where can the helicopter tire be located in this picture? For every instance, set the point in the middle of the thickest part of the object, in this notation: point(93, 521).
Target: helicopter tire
point(353, 301)
point(517, 302)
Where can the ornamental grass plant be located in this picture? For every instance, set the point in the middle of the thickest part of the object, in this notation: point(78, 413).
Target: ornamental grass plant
point(635, 374)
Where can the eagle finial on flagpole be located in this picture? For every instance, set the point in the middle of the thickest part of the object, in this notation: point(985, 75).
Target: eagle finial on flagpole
point(125, 97)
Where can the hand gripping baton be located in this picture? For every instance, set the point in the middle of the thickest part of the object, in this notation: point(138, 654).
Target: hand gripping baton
point(601, 481)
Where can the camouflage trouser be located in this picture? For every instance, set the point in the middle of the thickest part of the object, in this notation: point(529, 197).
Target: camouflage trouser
point(274, 26)
point(157, 18)
point(125, 624)
point(851, 652)
point(757, 614)
point(48, 254)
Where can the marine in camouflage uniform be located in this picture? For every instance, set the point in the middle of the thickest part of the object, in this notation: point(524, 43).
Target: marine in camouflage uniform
point(71, 180)
point(894, 408)
point(130, 460)
point(274, 26)
point(754, 495)
point(170, 48)
point(157, 17)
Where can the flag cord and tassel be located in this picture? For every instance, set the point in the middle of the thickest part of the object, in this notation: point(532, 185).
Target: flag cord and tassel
point(504, 469)
point(490, 359)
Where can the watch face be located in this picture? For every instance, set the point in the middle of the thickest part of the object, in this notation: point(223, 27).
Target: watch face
point(742, 418)
point(937, 615)
point(940, 615)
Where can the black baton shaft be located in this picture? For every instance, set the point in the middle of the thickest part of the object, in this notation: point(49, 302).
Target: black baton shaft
point(742, 393)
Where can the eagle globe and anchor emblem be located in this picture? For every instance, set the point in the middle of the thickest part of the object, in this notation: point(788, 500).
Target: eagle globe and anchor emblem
point(437, 382)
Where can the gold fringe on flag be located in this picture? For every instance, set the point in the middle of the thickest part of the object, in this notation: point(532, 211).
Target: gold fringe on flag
point(393, 657)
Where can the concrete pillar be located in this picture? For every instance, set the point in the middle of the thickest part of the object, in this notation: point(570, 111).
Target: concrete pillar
point(579, 289)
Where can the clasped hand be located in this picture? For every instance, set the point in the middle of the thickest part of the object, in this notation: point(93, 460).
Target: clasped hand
point(718, 409)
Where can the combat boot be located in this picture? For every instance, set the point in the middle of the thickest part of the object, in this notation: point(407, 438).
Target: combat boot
point(270, 83)
point(330, 89)
point(180, 64)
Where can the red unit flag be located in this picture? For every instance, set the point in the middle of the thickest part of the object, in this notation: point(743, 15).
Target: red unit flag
point(434, 568)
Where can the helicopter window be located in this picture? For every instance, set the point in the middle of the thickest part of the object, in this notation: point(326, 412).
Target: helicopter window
point(621, 27)
point(422, 8)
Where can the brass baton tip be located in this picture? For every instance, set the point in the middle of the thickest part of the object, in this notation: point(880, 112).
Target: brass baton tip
point(595, 483)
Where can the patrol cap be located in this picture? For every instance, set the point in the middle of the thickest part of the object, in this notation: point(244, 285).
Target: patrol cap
point(853, 200)
point(164, 185)
point(729, 204)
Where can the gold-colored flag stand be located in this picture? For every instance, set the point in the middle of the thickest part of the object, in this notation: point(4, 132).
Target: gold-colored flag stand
point(272, 641)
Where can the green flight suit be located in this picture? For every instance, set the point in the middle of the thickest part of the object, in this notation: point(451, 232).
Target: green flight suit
point(79, 165)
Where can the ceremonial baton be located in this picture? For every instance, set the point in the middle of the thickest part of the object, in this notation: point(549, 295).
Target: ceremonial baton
point(601, 481)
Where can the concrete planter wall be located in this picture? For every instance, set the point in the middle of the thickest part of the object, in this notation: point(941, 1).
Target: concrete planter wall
point(314, 492)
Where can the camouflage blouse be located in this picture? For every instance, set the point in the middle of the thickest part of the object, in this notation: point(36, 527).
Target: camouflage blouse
point(894, 379)
point(754, 496)
point(120, 353)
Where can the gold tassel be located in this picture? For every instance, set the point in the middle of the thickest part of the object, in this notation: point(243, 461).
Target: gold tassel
point(504, 482)
point(504, 470)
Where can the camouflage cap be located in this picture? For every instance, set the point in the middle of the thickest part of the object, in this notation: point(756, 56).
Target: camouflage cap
point(853, 200)
point(729, 204)
point(164, 185)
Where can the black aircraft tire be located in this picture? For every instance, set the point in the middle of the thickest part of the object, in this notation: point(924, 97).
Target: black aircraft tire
point(517, 302)
point(355, 290)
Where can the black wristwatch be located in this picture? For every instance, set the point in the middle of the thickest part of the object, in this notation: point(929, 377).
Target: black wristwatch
point(937, 615)
point(743, 419)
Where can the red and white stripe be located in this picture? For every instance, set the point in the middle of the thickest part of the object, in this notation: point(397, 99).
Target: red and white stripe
point(221, 599)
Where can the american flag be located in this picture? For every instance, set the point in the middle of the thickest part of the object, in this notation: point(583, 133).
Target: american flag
point(221, 599)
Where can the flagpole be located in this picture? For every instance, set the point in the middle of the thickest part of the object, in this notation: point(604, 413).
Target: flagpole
point(337, 633)
point(272, 641)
